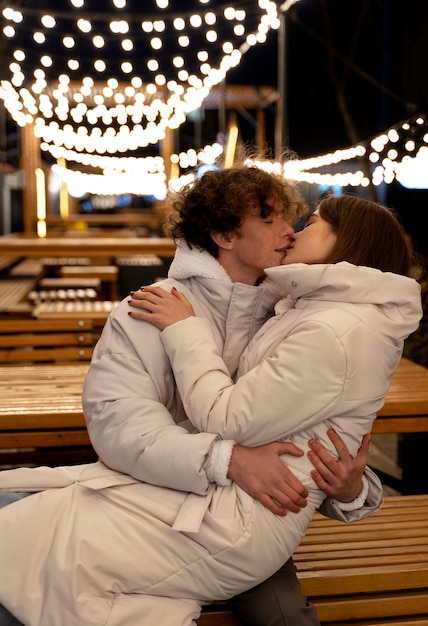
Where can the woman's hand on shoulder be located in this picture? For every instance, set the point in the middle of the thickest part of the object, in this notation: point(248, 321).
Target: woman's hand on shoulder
point(159, 307)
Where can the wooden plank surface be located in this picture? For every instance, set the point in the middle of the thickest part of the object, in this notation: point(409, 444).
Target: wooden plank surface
point(24, 393)
point(406, 405)
point(91, 247)
point(90, 310)
point(13, 291)
point(44, 395)
point(351, 579)
point(408, 394)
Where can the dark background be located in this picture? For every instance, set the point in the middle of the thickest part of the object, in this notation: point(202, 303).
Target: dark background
point(353, 69)
point(350, 64)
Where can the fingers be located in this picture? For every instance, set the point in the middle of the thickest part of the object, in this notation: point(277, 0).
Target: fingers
point(261, 472)
point(145, 299)
point(321, 459)
point(338, 443)
point(340, 478)
point(288, 447)
point(273, 506)
point(363, 452)
point(322, 484)
point(279, 503)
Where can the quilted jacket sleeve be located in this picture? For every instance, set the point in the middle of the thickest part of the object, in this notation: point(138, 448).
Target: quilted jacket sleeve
point(134, 416)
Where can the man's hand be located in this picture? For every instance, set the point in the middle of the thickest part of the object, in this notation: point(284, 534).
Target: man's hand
point(264, 476)
point(339, 479)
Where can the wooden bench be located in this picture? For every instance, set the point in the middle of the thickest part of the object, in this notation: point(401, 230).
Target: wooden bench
point(13, 295)
point(373, 572)
point(41, 418)
point(105, 273)
point(406, 413)
point(95, 311)
point(28, 268)
point(6, 262)
point(36, 341)
point(36, 410)
point(90, 247)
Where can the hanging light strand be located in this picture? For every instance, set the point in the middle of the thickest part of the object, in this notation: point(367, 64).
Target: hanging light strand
point(134, 87)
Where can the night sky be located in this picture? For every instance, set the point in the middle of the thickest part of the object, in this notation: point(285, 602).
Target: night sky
point(374, 51)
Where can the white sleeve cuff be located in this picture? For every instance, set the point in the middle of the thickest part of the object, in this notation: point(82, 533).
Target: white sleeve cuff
point(357, 502)
point(218, 463)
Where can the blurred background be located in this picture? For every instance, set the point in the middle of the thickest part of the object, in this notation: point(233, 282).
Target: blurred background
point(105, 105)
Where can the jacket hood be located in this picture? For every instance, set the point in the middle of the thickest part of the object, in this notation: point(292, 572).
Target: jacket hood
point(348, 283)
point(195, 263)
point(215, 285)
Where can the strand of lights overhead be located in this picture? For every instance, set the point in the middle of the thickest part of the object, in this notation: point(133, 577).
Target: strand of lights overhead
point(113, 80)
point(130, 175)
point(399, 138)
point(150, 165)
point(398, 153)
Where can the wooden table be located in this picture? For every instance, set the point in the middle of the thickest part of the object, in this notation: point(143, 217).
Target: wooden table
point(48, 398)
point(406, 413)
point(92, 247)
point(39, 397)
point(41, 417)
point(406, 405)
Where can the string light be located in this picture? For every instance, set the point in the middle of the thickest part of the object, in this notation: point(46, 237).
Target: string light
point(152, 170)
point(400, 153)
point(126, 103)
point(169, 89)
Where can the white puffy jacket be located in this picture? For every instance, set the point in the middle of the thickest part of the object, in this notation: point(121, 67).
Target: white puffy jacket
point(133, 411)
point(101, 548)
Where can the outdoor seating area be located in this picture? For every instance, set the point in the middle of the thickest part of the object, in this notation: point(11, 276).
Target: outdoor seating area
point(370, 573)
point(84, 281)
point(140, 141)
point(52, 310)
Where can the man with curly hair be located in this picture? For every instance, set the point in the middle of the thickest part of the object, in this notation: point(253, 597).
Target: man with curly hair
point(144, 431)
point(134, 414)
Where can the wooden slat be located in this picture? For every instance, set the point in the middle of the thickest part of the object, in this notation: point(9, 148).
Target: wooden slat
point(92, 247)
point(403, 424)
point(23, 326)
point(13, 291)
point(371, 607)
point(28, 267)
point(44, 439)
point(106, 273)
point(90, 310)
point(369, 573)
point(49, 354)
point(70, 283)
point(45, 339)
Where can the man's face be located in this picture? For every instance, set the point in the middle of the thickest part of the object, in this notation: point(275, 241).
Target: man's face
point(261, 242)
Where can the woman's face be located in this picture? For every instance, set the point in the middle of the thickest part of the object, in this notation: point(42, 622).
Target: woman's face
point(313, 244)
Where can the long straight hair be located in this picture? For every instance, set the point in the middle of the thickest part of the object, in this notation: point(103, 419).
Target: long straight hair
point(367, 234)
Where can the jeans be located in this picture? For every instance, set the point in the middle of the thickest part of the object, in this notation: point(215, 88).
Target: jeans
point(6, 618)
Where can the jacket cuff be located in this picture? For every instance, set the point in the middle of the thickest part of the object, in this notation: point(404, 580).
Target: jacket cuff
point(218, 462)
point(357, 502)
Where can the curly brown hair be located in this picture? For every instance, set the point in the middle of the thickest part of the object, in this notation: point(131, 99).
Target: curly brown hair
point(220, 199)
